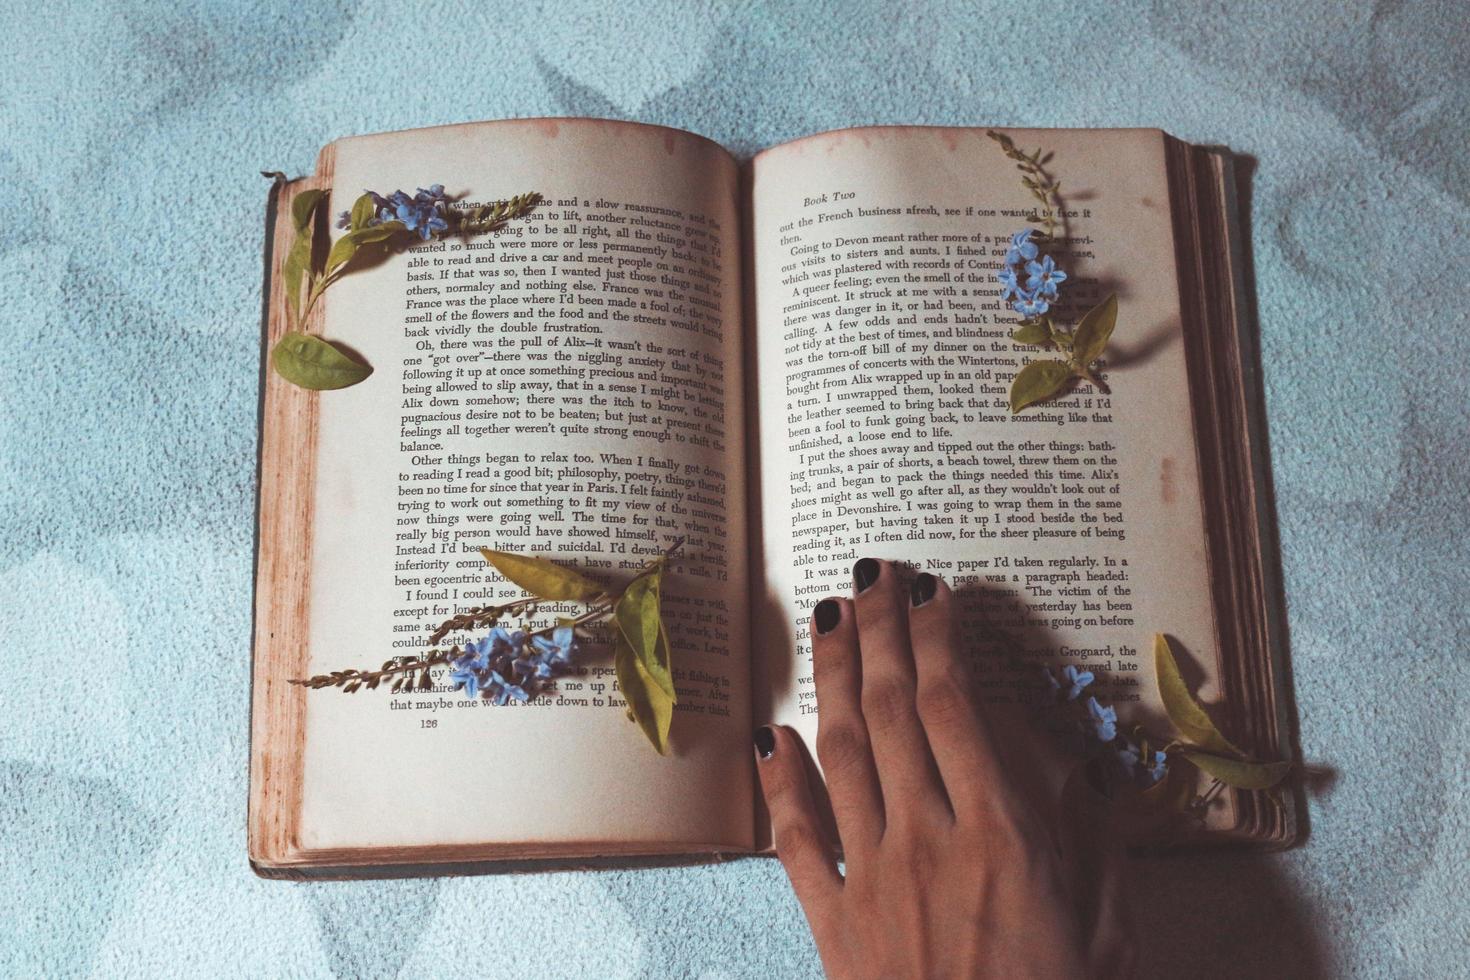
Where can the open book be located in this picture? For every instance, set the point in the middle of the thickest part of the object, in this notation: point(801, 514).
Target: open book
point(791, 364)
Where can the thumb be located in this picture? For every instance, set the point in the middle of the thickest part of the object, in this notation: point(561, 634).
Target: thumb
point(800, 844)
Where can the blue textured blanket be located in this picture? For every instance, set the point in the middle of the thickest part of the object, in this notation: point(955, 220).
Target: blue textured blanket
point(129, 366)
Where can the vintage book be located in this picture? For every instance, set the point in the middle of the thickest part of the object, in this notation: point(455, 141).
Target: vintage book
point(791, 363)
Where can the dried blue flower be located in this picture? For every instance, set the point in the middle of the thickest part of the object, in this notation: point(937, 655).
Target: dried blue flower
point(1076, 680)
point(1008, 285)
point(1157, 768)
point(421, 217)
point(1128, 759)
point(557, 649)
point(476, 655)
point(1042, 278)
point(384, 206)
point(506, 665)
point(504, 642)
point(422, 213)
point(1022, 248)
point(500, 690)
point(1103, 719)
point(1051, 680)
point(1030, 304)
point(466, 679)
point(344, 220)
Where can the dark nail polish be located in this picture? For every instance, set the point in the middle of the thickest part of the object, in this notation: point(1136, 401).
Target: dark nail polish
point(765, 741)
point(865, 573)
point(923, 589)
point(827, 615)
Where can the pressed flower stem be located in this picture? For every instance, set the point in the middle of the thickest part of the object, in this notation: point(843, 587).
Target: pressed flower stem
point(342, 678)
point(1086, 372)
point(487, 220)
point(604, 604)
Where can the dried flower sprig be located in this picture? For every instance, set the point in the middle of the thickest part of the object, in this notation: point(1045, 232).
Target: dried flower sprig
point(375, 223)
point(352, 680)
point(518, 664)
point(1136, 760)
point(1041, 184)
point(1035, 297)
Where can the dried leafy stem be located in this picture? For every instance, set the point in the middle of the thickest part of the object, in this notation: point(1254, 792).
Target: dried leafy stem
point(1041, 184)
point(374, 223)
point(641, 655)
point(1139, 761)
point(1079, 347)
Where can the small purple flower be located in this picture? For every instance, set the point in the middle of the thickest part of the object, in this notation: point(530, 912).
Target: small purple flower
point(1022, 248)
point(1043, 277)
point(344, 220)
point(1103, 719)
point(1159, 768)
point(1077, 679)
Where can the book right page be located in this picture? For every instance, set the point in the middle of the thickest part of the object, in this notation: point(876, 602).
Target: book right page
point(1073, 530)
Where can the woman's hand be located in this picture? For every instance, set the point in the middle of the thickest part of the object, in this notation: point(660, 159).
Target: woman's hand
point(964, 856)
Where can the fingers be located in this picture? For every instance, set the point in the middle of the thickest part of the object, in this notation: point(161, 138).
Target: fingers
point(842, 735)
point(906, 771)
point(952, 723)
point(799, 842)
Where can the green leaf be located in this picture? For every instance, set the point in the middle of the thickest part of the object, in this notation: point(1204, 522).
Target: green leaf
point(303, 206)
point(638, 618)
point(310, 362)
point(1036, 381)
point(1033, 333)
point(1241, 775)
point(542, 578)
point(650, 707)
point(1095, 330)
point(363, 211)
point(1184, 711)
point(344, 248)
point(295, 270)
point(377, 233)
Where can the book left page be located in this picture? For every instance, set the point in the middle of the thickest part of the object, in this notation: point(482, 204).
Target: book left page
point(569, 387)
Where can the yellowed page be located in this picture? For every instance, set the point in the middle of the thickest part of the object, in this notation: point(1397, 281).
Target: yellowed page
point(572, 387)
point(884, 366)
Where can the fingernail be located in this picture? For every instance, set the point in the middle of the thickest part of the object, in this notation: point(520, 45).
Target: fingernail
point(827, 615)
point(865, 573)
point(923, 589)
point(765, 741)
